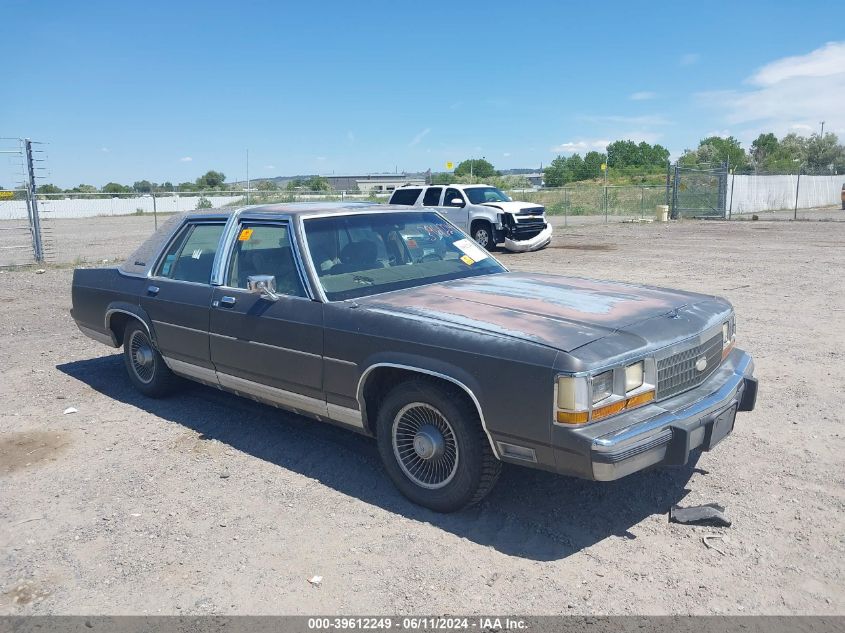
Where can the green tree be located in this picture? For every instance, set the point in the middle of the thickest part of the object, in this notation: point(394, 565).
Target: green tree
point(186, 186)
point(715, 150)
point(592, 165)
point(477, 167)
point(627, 154)
point(49, 188)
point(294, 184)
point(84, 189)
point(267, 185)
point(143, 186)
point(824, 154)
point(113, 187)
point(557, 173)
point(211, 179)
point(765, 146)
point(317, 183)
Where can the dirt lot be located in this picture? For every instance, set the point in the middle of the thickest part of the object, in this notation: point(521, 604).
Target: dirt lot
point(206, 503)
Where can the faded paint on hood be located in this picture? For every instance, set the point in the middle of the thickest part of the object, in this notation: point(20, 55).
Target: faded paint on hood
point(560, 312)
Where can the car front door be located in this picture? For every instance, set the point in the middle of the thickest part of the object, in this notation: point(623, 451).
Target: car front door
point(264, 346)
point(178, 296)
point(455, 208)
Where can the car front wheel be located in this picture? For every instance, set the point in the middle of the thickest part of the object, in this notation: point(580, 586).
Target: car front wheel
point(145, 366)
point(482, 232)
point(433, 447)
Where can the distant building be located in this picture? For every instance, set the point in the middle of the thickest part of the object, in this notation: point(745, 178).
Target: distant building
point(378, 183)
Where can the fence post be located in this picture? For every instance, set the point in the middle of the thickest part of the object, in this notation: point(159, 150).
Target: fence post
point(797, 185)
point(605, 204)
point(674, 210)
point(155, 211)
point(642, 201)
point(34, 220)
point(566, 202)
point(731, 208)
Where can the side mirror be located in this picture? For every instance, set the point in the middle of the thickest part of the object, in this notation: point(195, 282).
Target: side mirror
point(263, 285)
point(456, 202)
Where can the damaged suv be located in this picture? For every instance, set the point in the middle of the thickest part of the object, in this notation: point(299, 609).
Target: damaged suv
point(485, 212)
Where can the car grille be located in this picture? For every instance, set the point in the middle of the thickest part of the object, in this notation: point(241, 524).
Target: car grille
point(677, 373)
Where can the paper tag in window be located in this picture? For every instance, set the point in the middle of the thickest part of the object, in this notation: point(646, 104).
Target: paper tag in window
point(471, 249)
point(244, 235)
point(466, 259)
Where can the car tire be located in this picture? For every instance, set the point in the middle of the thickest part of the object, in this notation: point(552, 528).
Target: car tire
point(145, 366)
point(482, 232)
point(433, 446)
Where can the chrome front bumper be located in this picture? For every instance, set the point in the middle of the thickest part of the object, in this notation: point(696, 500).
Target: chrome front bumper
point(680, 425)
point(541, 240)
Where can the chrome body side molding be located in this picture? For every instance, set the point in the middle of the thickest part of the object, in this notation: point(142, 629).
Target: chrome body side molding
point(268, 394)
point(428, 372)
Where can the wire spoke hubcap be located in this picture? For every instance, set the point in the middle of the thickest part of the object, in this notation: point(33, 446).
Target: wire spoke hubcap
point(424, 445)
point(141, 357)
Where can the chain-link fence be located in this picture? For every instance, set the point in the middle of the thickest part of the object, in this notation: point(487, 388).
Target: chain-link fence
point(590, 204)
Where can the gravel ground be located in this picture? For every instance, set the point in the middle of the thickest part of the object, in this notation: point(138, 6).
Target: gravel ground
point(207, 503)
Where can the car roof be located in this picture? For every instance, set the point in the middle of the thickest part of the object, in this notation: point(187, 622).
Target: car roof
point(322, 208)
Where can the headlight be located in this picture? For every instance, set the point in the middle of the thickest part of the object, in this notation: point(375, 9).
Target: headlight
point(602, 386)
point(634, 376)
point(582, 399)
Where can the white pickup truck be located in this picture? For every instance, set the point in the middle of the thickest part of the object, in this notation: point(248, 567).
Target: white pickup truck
point(486, 213)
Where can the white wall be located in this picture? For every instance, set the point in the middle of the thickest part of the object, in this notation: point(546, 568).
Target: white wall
point(770, 193)
point(67, 208)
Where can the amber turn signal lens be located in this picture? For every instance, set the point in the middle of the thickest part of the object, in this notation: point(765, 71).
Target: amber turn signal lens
point(572, 417)
point(635, 401)
point(608, 409)
point(727, 350)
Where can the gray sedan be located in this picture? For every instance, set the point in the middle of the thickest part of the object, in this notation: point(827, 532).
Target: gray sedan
point(392, 322)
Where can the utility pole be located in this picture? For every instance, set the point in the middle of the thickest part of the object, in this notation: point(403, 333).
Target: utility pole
point(822, 132)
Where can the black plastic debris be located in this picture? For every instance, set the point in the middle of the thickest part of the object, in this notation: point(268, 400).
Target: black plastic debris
point(707, 514)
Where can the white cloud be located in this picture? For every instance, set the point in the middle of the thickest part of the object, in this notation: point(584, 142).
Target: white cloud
point(689, 59)
point(643, 95)
point(416, 140)
point(793, 93)
point(506, 154)
point(269, 167)
point(186, 159)
point(572, 147)
point(822, 62)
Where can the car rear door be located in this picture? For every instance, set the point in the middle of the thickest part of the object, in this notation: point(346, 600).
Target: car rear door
point(271, 349)
point(178, 296)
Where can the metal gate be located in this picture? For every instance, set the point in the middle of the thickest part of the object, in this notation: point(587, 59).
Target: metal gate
point(21, 231)
point(699, 193)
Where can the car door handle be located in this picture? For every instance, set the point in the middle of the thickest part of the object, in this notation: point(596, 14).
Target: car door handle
point(224, 302)
point(153, 290)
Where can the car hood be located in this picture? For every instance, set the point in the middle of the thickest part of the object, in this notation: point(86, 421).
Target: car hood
point(560, 312)
point(514, 206)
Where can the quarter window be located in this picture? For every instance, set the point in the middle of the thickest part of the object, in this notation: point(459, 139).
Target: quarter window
point(265, 249)
point(191, 255)
point(405, 196)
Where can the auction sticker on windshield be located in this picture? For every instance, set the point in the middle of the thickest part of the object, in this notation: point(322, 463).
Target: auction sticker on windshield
point(471, 249)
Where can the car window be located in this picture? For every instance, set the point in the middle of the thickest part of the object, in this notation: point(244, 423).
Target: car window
point(264, 249)
point(405, 196)
point(191, 255)
point(451, 194)
point(432, 196)
point(480, 195)
point(366, 254)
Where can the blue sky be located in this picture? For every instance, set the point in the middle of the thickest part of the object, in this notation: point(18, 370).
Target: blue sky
point(165, 91)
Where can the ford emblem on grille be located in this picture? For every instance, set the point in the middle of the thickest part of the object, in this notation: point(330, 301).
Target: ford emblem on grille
point(701, 364)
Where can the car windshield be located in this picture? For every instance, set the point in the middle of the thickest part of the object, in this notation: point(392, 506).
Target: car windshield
point(480, 195)
point(365, 254)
